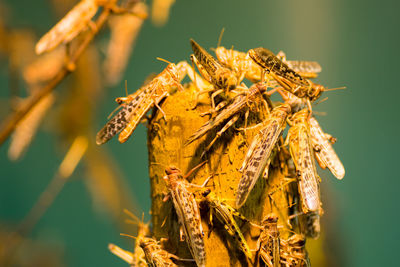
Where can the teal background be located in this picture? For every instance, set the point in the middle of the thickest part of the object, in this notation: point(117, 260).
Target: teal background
point(356, 43)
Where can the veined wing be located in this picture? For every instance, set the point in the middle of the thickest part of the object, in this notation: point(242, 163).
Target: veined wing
point(259, 160)
point(326, 152)
point(267, 60)
point(69, 26)
point(238, 103)
point(308, 183)
point(189, 217)
point(306, 69)
point(204, 57)
point(122, 118)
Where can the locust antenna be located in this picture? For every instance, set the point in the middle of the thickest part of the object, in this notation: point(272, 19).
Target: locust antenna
point(220, 37)
point(195, 168)
point(334, 89)
point(161, 59)
point(131, 236)
point(321, 101)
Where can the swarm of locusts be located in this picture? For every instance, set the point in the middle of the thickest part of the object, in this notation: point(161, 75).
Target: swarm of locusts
point(221, 78)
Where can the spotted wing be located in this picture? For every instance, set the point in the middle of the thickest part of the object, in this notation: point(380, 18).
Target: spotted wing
point(238, 103)
point(325, 151)
point(144, 106)
point(121, 119)
point(189, 218)
point(260, 157)
point(69, 26)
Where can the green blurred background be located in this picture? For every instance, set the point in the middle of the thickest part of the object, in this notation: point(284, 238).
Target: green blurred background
point(356, 43)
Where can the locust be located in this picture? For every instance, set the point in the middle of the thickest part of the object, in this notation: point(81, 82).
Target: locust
point(137, 258)
point(138, 104)
point(214, 72)
point(293, 252)
point(268, 244)
point(151, 251)
point(258, 156)
point(321, 142)
point(324, 152)
point(154, 254)
point(143, 230)
point(187, 211)
point(224, 214)
point(301, 151)
point(244, 67)
point(289, 79)
point(76, 20)
point(231, 112)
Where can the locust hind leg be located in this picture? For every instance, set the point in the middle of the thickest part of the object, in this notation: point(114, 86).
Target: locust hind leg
point(185, 69)
point(213, 95)
point(227, 125)
point(217, 108)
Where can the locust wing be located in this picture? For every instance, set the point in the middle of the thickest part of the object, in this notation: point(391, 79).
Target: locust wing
point(304, 161)
point(121, 119)
point(306, 69)
point(189, 217)
point(325, 153)
point(260, 156)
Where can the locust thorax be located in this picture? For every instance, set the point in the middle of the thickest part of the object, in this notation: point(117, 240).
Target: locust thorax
point(285, 108)
point(224, 55)
point(173, 175)
point(315, 91)
point(296, 103)
point(235, 60)
point(173, 71)
point(300, 117)
point(269, 220)
point(297, 241)
point(226, 79)
point(261, 87)
point(145, 241)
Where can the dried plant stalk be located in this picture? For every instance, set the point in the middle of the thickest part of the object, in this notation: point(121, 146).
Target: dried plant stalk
point(166, 138)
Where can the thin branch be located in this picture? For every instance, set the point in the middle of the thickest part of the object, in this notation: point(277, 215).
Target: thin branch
point(13, 119)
